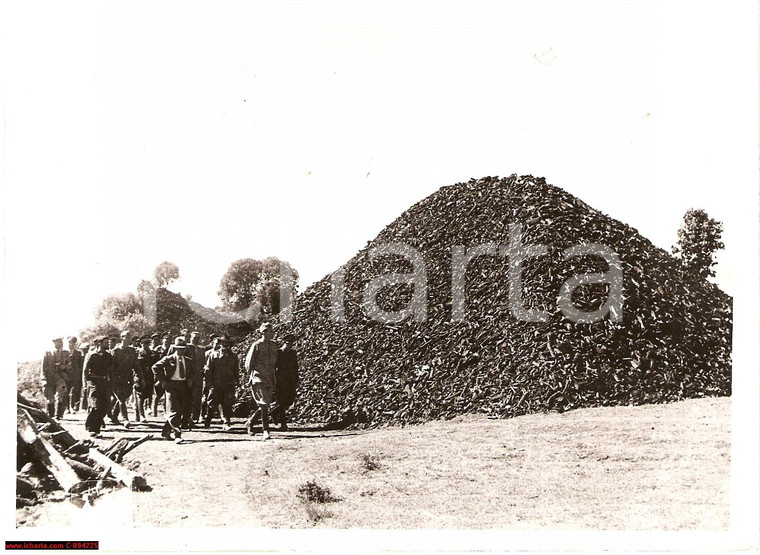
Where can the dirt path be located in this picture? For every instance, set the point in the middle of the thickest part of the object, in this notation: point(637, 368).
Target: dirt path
point(657, 467)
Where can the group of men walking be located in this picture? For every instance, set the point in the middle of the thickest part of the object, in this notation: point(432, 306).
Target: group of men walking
point(193, 380)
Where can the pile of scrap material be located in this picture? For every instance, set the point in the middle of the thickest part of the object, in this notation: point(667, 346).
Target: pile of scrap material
point(50, 462)
point(671, 341)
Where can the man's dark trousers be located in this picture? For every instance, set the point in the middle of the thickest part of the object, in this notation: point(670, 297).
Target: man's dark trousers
point(178, 403)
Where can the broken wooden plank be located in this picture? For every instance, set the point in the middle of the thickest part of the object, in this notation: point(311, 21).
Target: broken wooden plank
point(79, 448)
point(113, 451)
point(46, 453)
point(86, 471)
point(133, 481)
point(136, 443)
point(122, 446)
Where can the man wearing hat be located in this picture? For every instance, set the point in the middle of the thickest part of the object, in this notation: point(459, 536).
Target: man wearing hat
point(97, 370)
point(221, 377)
point(74, 376)
point(143, 387)
point(124, 368)
point(175, 374)
point(260, 363)
point(53, 373)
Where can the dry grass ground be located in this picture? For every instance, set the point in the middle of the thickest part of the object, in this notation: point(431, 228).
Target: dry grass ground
point(656, 467)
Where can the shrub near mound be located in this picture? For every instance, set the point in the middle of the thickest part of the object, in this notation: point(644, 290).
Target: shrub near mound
point(672, 340)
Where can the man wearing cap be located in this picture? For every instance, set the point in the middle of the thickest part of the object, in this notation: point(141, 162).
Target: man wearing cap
point(161, 351)
point(175, 373)
point(113, 341)
point(98, 367)
point(260, 363)
point(155, 341)
point(124, 367)
point(74, 376)
point(143, 387)
point(286, 380)
point(53, 373)
point(221, 377)
point(209, 349)
point(198, 354)
point(85, 348)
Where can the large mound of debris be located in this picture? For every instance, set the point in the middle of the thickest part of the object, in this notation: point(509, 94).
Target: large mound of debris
point(671, 341)
point(50, 461)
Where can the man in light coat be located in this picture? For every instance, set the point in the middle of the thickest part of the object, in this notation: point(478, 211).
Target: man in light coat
point(260, 364)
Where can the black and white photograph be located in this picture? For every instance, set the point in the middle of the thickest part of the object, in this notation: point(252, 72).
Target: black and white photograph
point(382, 277)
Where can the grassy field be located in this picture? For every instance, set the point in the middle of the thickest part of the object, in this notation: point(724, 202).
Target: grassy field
point(656, 467)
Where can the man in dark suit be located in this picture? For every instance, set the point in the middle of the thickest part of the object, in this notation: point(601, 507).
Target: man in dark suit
point(53, 374)
point(221, 376)
point(161, 351)
point(144, 379)
point(98, 369)
point(175, 373)
point(74, 376)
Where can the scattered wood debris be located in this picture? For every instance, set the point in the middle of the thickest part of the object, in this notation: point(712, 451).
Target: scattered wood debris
point(50, 459)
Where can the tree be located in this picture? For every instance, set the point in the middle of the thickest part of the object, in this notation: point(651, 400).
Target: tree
point(118, 307)
point(699, 238)
point(165, 273)
point(250, 282)
point(117, 313)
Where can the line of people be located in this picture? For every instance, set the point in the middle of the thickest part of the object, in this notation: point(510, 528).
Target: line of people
point(194, 381)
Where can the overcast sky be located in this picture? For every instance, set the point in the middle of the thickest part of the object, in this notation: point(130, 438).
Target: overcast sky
point(201, 133)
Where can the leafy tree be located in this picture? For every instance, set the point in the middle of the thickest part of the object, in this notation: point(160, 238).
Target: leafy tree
point(118, 313)
point(118, 307)
point(165, 273)
point(237, 290)
point(249, 282)
point(699, 238)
